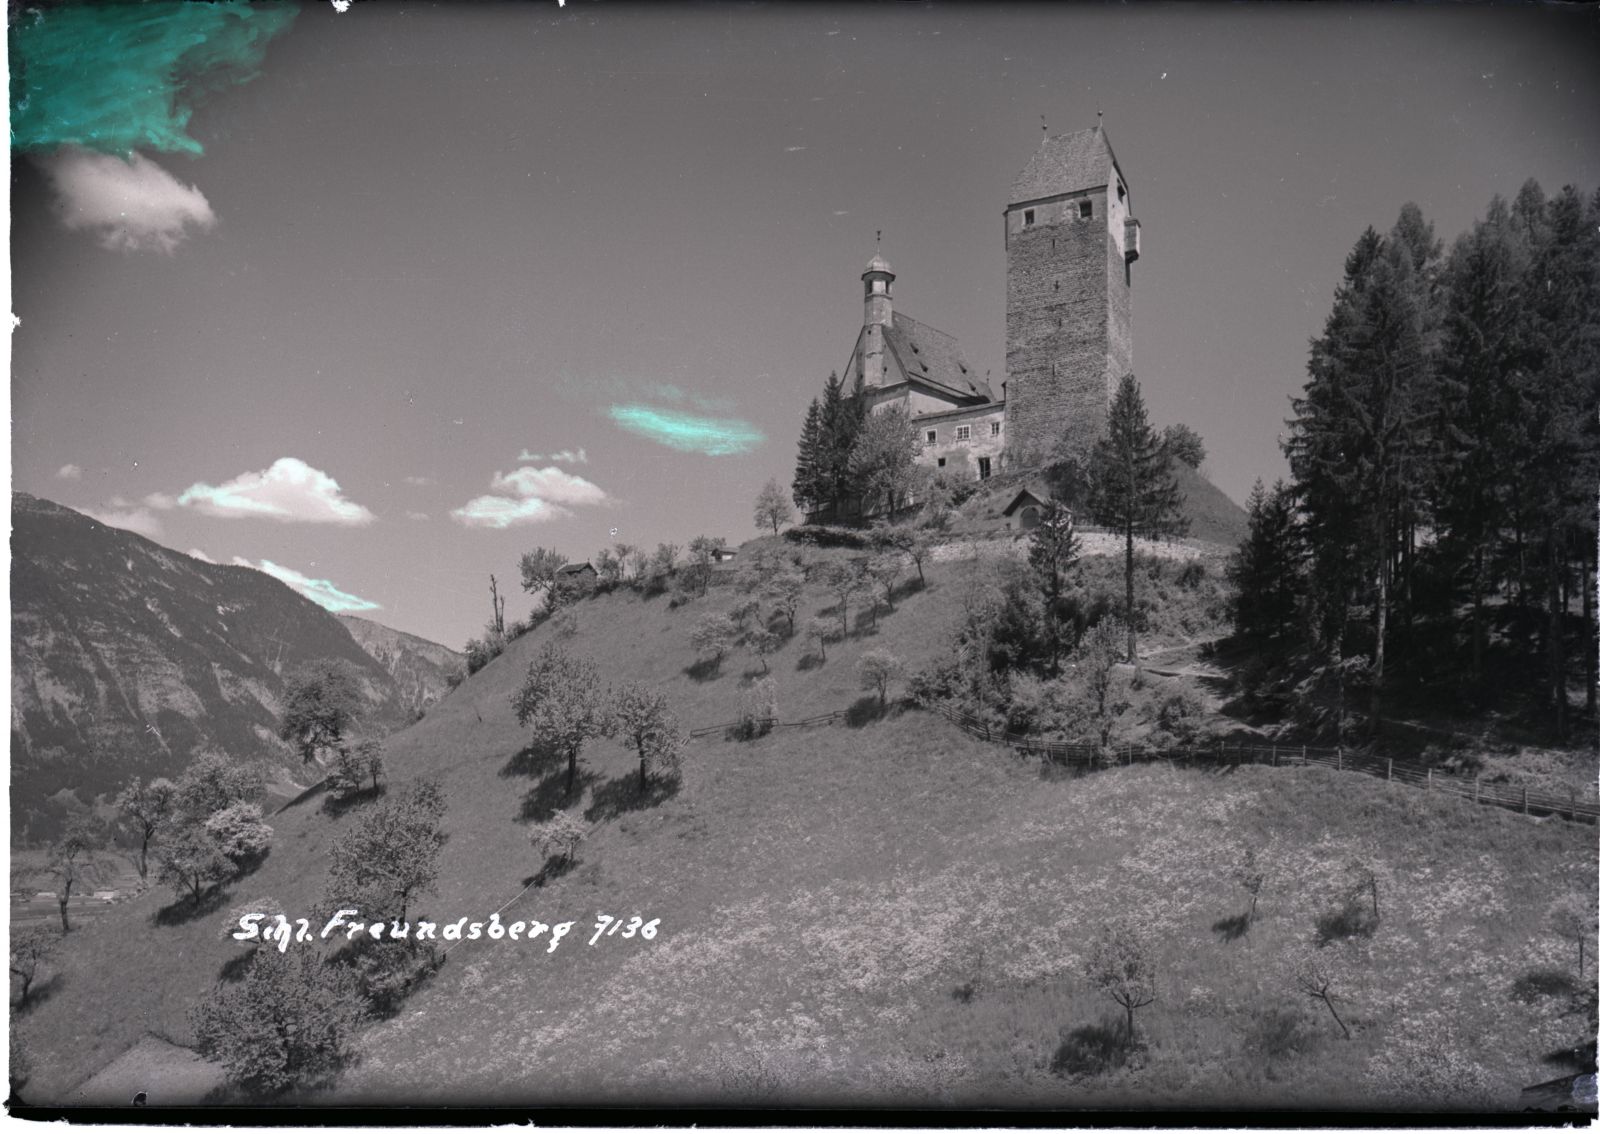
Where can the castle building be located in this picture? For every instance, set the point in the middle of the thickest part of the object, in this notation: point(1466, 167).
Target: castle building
point(1070, 244)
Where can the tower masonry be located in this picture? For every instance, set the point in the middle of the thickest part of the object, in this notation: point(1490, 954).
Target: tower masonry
point(1070, 245)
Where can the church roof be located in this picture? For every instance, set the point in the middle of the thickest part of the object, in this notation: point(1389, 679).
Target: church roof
point(1066, 163)
point(930, 356)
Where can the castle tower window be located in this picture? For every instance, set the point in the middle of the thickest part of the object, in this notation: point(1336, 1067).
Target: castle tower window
point(1058, 285)
point(983, 468)
point(933, 435)
point(1027, 216)
point(1086, 208)
point(1122, 194)
point(994, 429)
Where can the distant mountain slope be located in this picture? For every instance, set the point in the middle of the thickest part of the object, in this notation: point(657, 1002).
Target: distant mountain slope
point(419, 667)
point(1213, 515)
point(127, 658)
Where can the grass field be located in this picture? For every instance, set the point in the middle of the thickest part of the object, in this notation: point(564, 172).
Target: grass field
point(892, 912)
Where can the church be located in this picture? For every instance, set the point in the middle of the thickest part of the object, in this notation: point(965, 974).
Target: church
point(1071, 241)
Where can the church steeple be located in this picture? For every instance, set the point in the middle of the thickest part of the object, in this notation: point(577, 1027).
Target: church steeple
point(878, 284)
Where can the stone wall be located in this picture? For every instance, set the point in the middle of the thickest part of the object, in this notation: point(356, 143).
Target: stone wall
point(1067, 325)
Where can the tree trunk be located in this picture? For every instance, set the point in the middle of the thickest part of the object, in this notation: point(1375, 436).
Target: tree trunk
point(62, 902)
point(144, 859)
point(1382, 631)
point(1477, 624)
point(1127, 572)
point(572, 771)
point(1558, 670)
point(1328, 1000)
point(1589, 659)
point(644, 775)
point(1129, 1008)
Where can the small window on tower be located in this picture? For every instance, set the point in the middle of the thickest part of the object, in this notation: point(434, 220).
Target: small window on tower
point(994, 429)
point(1086, 208)
point(1122, 194)
point(1027, 216)
point(1058, 285)
point(933, 435)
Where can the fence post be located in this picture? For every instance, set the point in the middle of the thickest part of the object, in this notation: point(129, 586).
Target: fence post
point(1274, 755)
point(1302, 755)
point(1524, 799)
point(1341, 757)
point(1430, 780)
point(1477, 783)
point(1388, 773)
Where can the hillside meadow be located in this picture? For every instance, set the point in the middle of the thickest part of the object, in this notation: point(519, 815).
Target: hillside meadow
point(886, 911)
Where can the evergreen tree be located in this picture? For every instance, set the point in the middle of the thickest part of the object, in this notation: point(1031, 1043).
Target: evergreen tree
point(1133, 490)
point(809, 492)
point(1357, 446)
point(1481, 350)
point(1265, 569)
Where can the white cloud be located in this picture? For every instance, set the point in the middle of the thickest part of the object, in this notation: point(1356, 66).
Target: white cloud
point(503, 512)
point(70, 472)
point(419, 481)
point(569, 456)
point(291, 491)
point(320, 591)
point(140, 520)
point(160, 501)
point(196, 553)
point(528, 496)
point(416, 515)
point(133, 204)
point(548, 483)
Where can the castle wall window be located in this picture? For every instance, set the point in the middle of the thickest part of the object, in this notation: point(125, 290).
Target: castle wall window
point(983, 468)
point(933, 435)
point(994, 429)
point(963, 433)
point(1122, 194)
point(941, 462)
point(1086, 208)
point(1027, 216)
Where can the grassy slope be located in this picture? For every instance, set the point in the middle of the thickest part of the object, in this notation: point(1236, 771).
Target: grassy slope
point(822, 893)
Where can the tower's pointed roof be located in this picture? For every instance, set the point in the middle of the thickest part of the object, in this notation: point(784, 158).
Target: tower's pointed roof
point(1066, 163)
point(878, 264)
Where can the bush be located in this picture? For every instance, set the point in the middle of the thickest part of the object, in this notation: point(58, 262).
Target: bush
point(558, 838)
point(1279, 1031)
point(1539, 984)
point(239, 833)
point(1092, 1049)
point(1181, 715)
point(758, 709)
point(1350, 917)
point(1191, 574)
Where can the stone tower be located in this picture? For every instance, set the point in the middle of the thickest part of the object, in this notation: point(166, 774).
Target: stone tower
point(878, 284)
point(1070, 245)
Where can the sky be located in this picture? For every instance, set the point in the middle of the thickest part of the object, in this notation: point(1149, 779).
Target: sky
point(377, 300)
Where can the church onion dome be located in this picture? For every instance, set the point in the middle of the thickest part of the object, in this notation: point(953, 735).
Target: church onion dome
point(878, 264)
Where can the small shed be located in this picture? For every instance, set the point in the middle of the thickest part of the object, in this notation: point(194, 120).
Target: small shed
point(1026, 507)
point(725, 554)
point(577, 577)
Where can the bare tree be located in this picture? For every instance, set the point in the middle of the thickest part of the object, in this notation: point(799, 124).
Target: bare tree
point(1316, 973)
point(1251, 874)
point(1572, 916)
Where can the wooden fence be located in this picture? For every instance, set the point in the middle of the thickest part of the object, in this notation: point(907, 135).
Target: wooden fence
point(1084, 758)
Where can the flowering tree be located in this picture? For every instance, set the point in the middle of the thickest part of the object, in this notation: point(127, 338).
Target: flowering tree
point(564, 703)
point(559, 836)
point(1121, 966)
point(647, 725)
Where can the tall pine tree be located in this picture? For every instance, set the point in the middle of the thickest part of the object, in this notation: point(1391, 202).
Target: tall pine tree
point(808, 490)
point(1133, 489)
